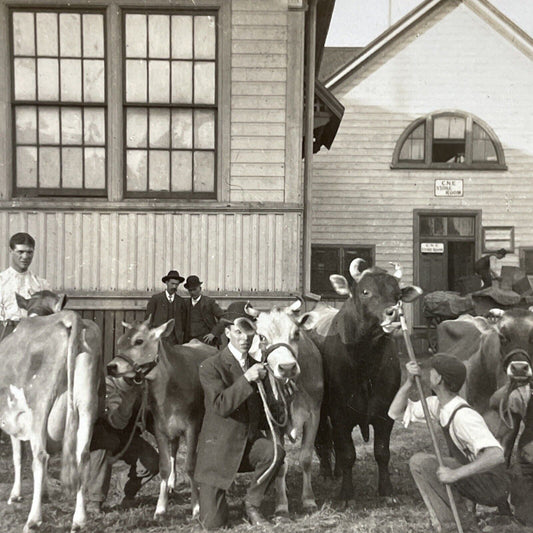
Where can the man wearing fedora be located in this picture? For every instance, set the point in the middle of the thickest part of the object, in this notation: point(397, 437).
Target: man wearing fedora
point(166, 305)
point(203, 314)
point(232, 439)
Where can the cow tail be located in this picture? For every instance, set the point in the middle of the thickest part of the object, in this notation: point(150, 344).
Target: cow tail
point(70, 475)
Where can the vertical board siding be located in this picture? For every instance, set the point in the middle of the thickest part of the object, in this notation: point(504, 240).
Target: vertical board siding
point(93, 251)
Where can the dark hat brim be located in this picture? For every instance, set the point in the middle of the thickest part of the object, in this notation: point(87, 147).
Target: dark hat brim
point(193, 285)
point(164, 279)
point(242, 322)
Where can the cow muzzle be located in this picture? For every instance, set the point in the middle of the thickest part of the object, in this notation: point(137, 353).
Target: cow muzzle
point(280, 358)
point(518, 365)
point(390, 319)
point(133, 370)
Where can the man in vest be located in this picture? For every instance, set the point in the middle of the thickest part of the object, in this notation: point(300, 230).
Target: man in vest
point(475, 468)
point(203, 314)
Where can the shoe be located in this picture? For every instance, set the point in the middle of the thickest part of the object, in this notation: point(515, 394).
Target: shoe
point(254, 515)
point(94, 508)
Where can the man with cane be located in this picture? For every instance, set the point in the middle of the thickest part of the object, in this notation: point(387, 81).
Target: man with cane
point(476, 467)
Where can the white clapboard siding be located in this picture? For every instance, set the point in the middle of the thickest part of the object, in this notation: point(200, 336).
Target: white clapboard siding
point(131, 251)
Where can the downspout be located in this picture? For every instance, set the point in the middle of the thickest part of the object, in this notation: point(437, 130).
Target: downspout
point(310, 49)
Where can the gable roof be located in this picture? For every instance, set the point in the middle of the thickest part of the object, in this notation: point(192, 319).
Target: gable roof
point(334, 58)
point(481, 7)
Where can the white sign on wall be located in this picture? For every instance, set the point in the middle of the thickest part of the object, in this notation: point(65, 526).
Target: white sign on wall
point(432, 247)
point(448, 187)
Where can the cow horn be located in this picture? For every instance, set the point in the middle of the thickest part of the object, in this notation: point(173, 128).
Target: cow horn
point(249, 310)
point(296, 305)
point(126, 325)
point(496, 313)
point(355, 271)
point(147, 321)
point(397, 270)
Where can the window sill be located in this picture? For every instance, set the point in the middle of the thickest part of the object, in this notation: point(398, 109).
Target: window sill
point(447, 166)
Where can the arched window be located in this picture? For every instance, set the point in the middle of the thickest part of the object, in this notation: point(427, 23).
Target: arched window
point(449, 140)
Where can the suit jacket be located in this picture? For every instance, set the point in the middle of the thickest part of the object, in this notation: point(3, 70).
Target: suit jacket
point(233, 414)
point(211, 313)
point(158, 307)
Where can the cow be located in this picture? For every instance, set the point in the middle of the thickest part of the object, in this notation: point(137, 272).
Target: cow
point(361, 369)
point(48, 396)
point(296, 358)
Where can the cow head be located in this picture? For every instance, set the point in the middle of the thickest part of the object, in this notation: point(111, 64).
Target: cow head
point(375, 294)
point(278, 336)
point(137, 350)
point(42, 303)
point(515, 332)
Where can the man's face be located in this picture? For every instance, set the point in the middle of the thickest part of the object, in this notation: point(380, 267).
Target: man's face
point(195, 292)
point(434, 378)
point(172, 286)
point(21, 257)
point(240, 340)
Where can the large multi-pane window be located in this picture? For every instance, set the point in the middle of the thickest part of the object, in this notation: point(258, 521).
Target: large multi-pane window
point(59, 102)
point(170, 104)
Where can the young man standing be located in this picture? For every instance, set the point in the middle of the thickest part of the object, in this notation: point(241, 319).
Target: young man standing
point(475, 468)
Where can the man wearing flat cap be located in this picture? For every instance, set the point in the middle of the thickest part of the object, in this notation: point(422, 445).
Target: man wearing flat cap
point(203, 314)
point(476, 466)
point(232, 439)
point(166, 305)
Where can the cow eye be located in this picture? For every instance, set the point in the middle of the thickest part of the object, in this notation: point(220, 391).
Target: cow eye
point(262, 338)
point(138, 342)
point(366, 292)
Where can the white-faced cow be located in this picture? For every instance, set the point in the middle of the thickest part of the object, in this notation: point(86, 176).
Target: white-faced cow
point(291, 355)
point(361, 369)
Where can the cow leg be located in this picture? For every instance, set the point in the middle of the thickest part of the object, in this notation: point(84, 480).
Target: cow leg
point(282, 503)
point(190, 463)
point(382, 431)
point(15, 495)
point(323, 444)
point(344, 458)
point(163, 445)
point(39, 466)
point(306, 461)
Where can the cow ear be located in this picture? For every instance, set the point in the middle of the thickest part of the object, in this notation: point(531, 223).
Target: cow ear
point(307, 321)
point(340, 284)
point(164, 330)
point(21, 301)
point(411, 293)
point(61, 302)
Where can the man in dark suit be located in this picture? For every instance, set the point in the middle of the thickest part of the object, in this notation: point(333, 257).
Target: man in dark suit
point(231, 439)
point(166, 305)
point(203, 314)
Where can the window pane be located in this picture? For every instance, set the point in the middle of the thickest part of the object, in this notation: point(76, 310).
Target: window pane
point(324, 262)
point(182, 37)
point(94, 125)
point(159, 35)
point(49, 167)
point(135, 36)
point(463, 226)
point(71, 80)
point(204, 129)
point(204, 172)
point(46, 34)
point(93, 35)
point(159, 170)
point(24, 79)
point(71, 125)
point(48, 79)
point(49, 125)
point(136, 175)
point(181, 82)
point(95, 168)
point(70, 34)
point(483, 147)
point(159, 76)
point(413, 146)
point(136, 80)
point(433, 226)
point(159, 128)
point(137, 127)
point(181, 171)
point(26, 125)
point(93, 86)
point(181, 128)
point(26, 166)
point(204, 83)
point(23, 34)
point(449, 128)
point(204, 37)
point(72, 167)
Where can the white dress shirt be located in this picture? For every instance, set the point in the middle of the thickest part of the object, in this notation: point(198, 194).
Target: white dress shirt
point(195, 301)
point(170, 297)
point(240, 357)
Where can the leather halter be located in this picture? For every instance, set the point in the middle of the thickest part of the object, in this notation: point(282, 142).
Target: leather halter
point(141, 370)
point(521, 351)
point(267, 351)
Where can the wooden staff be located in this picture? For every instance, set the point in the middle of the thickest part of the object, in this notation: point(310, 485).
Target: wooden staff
point(411, 353)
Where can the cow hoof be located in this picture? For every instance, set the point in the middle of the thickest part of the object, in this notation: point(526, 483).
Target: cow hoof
point(196, 511)
point(159, 515)
point(344, 504)
point(14, 499)
point(391, 501)
point(309, 506)
point(77, 527)
point(282, 510)
point(32, 526)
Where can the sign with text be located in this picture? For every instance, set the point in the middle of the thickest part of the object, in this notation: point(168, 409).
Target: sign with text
point(432, 247)
point(448, 187)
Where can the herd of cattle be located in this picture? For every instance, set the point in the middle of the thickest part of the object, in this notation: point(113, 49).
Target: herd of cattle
point(345, 367)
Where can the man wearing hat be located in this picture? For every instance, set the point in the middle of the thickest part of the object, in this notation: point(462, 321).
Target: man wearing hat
point(489, 267)
point(231, 439)
point(166, 305)
point(476, 466)
point(203, 314)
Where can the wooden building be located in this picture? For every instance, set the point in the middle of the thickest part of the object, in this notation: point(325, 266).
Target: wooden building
point(144, 136)
point(432, 164)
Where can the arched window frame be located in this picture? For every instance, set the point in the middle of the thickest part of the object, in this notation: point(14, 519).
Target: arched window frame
point(468, 164)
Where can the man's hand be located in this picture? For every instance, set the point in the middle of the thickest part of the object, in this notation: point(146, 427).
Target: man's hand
point(447, 475)
point(255, 373)
point(412, 370)
point(209, 338)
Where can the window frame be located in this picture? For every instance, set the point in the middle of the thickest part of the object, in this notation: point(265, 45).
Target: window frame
point(468, 164)
point(341, 250)
point(170, 195)
point(524, 251)
point(62, 192)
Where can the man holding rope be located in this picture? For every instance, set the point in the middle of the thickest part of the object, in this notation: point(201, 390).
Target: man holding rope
point(475, 470)
point(232, 438)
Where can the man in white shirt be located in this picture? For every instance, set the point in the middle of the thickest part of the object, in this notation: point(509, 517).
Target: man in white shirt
point(18, 279)
point(476, 466)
